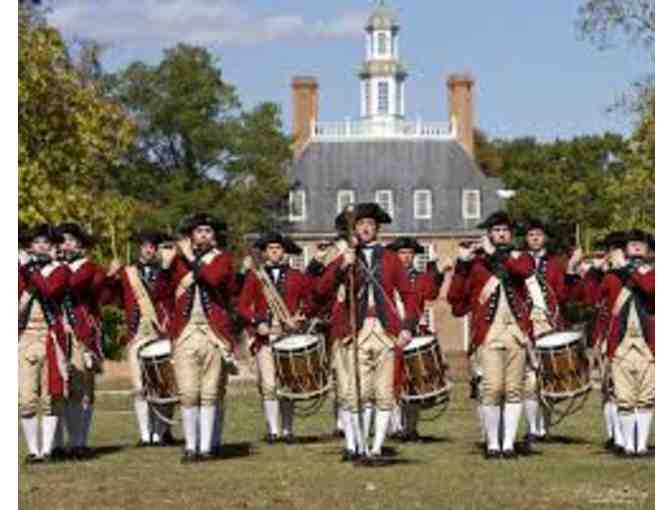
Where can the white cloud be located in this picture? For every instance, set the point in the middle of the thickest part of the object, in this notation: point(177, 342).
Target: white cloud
point(142, 23)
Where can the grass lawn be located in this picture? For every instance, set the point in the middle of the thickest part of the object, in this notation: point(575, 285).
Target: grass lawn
point(572, 471)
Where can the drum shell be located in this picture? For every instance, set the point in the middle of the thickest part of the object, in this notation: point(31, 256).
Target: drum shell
point(158, 375)
point(564, 369)
point(425, 374)
point(302, 372)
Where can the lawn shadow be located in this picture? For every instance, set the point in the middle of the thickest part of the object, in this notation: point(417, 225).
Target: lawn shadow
point(324, 438)
point(388, 462)
point(564, 440)
point(235, 450)
point(102, 451)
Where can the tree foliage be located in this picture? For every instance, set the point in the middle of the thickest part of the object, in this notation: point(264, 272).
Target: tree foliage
point(196, 147)
point(70, 137)
point(606, 22)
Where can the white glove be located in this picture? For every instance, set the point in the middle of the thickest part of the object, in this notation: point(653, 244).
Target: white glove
point(263, 329)
point(248, 263)
point(405, 338)
point(88, 360)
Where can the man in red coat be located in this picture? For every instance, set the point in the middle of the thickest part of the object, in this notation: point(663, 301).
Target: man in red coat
point(265, 328)
point(492, 287)
point(588, 275)
point(43, 364)
point(201, 329)
point(427, 285)
point(628, 291)
point(554, 284)
point(82, 324)
point(144, 292)
point(380, 333)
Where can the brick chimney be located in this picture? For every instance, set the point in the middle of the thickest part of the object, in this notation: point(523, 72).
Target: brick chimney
point(460, 91)
point(305, 103)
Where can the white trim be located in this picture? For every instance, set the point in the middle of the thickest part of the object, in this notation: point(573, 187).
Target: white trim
point(390, 200)
point(416, 197)
point(343, 198)
point(466, 214)
point(299, 195)
point(465, 331)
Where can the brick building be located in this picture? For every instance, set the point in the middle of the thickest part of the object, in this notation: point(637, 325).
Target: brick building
point(422, 173)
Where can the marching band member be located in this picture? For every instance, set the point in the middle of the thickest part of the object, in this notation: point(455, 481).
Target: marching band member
point(492, 288)
point(551, 275)
point(628, 290)
point(200, 328)
point(144, 292)
point(82, 324)
point(427, 285)
point(380, 333)
point(294, 289)
point(589, 274)
point(43, 364)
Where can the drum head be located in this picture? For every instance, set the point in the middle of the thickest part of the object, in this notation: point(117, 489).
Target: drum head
point(156, 349)
point(559, 339)
point(419, 341)
point(295, 342)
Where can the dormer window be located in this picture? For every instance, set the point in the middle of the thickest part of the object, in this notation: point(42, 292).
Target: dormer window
point(382, 43)
point(344, 197)
point(471, 204)
point(297, 206)
point(385, 200)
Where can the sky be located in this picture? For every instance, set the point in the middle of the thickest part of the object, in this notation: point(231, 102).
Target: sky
point(534, 75)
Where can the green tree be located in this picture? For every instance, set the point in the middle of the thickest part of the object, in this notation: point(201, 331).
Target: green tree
point(607, 22)
point(196, 146)
point(70, 137)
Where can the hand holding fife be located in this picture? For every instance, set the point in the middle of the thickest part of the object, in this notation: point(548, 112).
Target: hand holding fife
point(114, 268)
point(24, 257)
point(575, 260)
point(184, 245)
point(644, 269)
point(487, 245)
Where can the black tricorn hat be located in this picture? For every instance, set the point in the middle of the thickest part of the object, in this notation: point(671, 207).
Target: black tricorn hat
point(534, 224)
point(406, 243)
point(42, 230)
point(189, 223)
point(150, 236)
point(359, 211)
point(497, 218)
point(77, 232)
point(290, 246)
point(638, 235)
point(611, 240)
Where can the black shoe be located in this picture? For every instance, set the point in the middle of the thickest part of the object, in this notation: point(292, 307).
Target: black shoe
point(143, 444)
point(167, 439)
point(206, 457)
point(189, 457)
point(509, 454)
point(374, 460)
point(609, 445)
point(59, 454)
point(80, 453)
point(525, 448)
point(492, 454)
point(645, 453)
point(31, 458)
point(413, 437)
point(289, 439)
point(350, 456)
point(337, 433)
point(271, 438)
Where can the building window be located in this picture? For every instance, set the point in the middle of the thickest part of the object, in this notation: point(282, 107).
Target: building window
point(385, 200)
point(422, 204)
point(383, 97)
point(398, 100)
point(382, 43)
point(344, 197)
point(297, 205)
point(471, 204)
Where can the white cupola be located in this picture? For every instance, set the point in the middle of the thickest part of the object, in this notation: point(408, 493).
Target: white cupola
point(382, 74)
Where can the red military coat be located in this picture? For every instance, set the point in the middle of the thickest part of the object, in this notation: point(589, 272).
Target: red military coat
point(213, 276)
point(550, 273)
point(390, 274)
point(157, 283)
point(81, 303)
point(45, 286)
point(293, 286)
point(466, 287)
point(613, 325)
point(427, 285)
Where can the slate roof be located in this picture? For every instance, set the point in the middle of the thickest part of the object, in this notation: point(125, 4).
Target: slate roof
point(399, 165)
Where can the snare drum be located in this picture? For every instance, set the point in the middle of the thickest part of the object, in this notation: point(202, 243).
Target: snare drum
point(425, 372)
point(158, 373)
point(563, 364)
point(301, 367)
